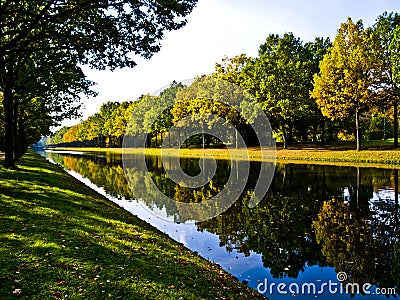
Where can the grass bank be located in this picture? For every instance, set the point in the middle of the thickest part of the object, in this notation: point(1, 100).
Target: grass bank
point(373, 155)
point(60, 239)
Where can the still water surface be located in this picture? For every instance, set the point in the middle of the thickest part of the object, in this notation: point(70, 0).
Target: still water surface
point(315, 222)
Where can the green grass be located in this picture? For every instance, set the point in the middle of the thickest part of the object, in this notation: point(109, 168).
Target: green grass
point(59, 239)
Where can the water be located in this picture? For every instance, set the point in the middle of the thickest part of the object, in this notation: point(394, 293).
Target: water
point(315, 223)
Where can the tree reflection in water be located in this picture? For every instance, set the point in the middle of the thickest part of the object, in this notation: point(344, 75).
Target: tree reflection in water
point(343, 217)
point(360, 236)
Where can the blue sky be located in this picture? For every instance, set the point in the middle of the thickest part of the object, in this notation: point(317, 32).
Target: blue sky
point(227, 27)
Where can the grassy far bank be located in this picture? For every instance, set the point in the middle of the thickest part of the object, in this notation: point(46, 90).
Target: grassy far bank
point(376, 153)
point(61, 239)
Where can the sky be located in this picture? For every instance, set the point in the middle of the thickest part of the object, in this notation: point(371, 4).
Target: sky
point(218, 28)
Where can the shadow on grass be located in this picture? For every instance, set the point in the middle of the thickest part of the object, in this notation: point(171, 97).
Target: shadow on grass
point(60, 239)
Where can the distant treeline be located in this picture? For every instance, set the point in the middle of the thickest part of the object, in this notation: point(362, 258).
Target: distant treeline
point(319, 92)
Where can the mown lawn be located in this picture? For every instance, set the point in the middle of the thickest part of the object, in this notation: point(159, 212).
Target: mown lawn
point(59, 239)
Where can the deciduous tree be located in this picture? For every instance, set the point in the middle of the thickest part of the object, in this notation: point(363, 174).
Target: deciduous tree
point(386, 54)
point(277, 81)
point(344, 85)
point(208, 99)
point(99, 33)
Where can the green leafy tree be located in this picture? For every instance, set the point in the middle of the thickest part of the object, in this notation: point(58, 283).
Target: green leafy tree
point(57, 138)
point(107, 127)
point(99, 33)
point(71, 135)
point(276, 80)
point(32, 121)
point(119, 123)
point(96, 126)
point(395, 58)
point(138, 113)
point(89, 128)
point(379, 126)
point(2, 125)
point(131, 125)
point(314, 52)
point(193, 112)
point(343, 87)
point(158, 117)
point(385, 52)
point(106, 114)
point(167, 97)
point(43, 97)
point(208, 100)
point(394, 49)
point(230, 69)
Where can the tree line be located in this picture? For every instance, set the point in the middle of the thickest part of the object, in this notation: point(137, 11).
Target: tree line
point(43, 45)
point(318, 91)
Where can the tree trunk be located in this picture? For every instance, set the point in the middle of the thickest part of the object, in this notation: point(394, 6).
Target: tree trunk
point(16, 130)
point(290, 134)
point(358, 131)
point(203, 137)
point(20, 141)
point(9, 128)
point(236, 139)
point(20, 144)
point(322, 142)
point(186, 138)
point(284, 136)
point(396, 125)
point(121, 140)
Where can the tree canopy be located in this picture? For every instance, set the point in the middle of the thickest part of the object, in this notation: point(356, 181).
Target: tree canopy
point(344, 86)
point(103, 34)
point(384, 40)
point(280, 80)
